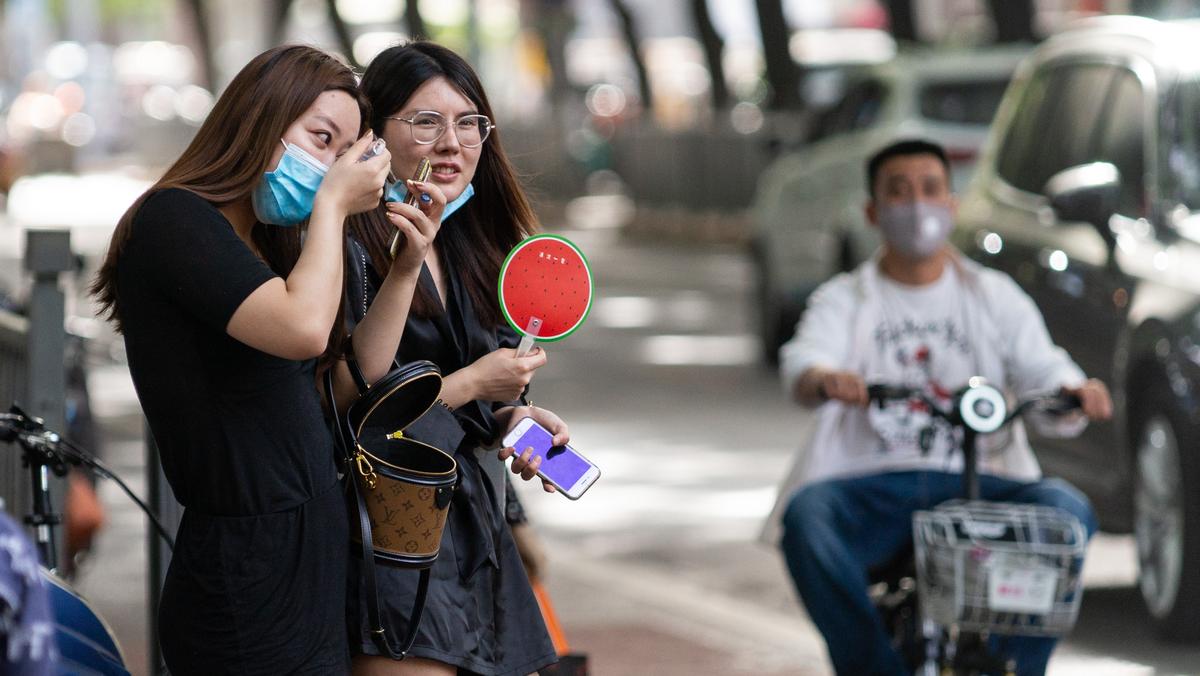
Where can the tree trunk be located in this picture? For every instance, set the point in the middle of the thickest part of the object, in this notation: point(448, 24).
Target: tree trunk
point(474, 50)
point(342, 31)
point(414, 20)
point(551, 21)
point(903, 20)
point(629, 31)
point(782, 72)
point(714, 47)
point(207, 78)
point(279, 14)
point(1014, 20)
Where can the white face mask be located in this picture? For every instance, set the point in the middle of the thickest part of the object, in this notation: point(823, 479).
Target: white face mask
point(915, 229)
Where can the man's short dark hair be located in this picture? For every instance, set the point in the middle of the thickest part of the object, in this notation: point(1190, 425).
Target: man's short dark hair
point(905, 147)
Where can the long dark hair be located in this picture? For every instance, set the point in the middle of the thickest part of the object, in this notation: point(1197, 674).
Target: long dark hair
point(233, 147)
point(477, 237)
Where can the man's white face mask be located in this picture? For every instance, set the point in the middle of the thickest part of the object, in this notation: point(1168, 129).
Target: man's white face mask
point(915, 229)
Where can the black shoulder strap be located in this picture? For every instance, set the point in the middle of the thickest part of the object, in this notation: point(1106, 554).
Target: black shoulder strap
point(348, 443)
point(355, 372)
point(344, 437)
point(374, 616)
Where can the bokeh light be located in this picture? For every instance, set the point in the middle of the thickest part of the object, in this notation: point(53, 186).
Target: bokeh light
point(70, 96)
point(369, 11)
point(445, 12)
point(66, 60)
point(159, 102)
point(605, 100)
point(33, 112)
point(79, 129)
point(368, 45)
point(193, 103)
point(154, 62)
point(746, 118)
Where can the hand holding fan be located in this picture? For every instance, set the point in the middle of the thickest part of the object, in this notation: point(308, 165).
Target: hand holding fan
point(545, 289)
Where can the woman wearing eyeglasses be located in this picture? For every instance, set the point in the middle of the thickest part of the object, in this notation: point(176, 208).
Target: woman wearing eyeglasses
point(481, 616)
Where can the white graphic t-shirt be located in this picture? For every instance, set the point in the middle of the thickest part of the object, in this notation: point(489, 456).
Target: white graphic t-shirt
point(919, 340)
point(972, 321)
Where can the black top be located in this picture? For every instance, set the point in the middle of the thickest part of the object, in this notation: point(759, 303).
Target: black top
point(452, 339)
point(240, 431)
point(255, 584)
point(481, 615)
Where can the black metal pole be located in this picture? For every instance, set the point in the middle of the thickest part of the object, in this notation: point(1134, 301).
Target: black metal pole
point(47, 256)
point(970, 471)
point(42, 518)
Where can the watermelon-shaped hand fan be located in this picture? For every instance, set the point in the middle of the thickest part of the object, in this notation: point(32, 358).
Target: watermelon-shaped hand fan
point(545, 289)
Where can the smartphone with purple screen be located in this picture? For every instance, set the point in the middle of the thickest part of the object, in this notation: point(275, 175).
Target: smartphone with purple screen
point(562, 466)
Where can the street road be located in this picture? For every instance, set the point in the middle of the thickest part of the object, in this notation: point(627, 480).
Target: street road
point(656, 569)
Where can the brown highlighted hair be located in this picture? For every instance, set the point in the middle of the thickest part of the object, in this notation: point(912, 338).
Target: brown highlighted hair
point(477, 237)
point(233, 147)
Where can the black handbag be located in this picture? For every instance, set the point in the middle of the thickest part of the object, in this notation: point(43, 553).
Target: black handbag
point(399, 489)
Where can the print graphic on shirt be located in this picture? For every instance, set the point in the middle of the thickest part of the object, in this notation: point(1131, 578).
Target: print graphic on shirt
point(931, 354)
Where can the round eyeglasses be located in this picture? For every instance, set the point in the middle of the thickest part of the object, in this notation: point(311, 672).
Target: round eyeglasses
point(428, 126)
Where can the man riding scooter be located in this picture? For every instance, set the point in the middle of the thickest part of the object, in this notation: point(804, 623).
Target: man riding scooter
point(917, 314)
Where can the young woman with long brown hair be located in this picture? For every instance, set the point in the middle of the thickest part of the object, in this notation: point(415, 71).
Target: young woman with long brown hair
point(225, 309)
point(481, 616)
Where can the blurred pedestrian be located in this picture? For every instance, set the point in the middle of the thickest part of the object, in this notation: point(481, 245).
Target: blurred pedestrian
point(225, 310)
point(481, 616)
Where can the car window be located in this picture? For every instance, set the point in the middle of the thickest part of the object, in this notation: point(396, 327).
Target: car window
point(1122, 140)
point(1181, 146)
point(858, 109)
point(1055, 124)
point(969, 102)
point(1020, 141)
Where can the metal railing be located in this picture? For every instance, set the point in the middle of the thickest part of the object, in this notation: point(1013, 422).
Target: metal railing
point(31, 365)
point(14, 383)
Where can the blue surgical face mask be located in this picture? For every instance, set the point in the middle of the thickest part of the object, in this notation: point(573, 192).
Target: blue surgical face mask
point(396, 192)
point(285, 196)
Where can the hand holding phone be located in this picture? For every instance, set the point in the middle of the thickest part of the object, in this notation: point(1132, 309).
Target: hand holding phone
point(424, 167)
point(562, 466)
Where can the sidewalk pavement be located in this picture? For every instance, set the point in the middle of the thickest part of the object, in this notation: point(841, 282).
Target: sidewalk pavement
point(631, 619)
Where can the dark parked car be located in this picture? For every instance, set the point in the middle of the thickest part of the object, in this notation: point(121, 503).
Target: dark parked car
point(1088, 194)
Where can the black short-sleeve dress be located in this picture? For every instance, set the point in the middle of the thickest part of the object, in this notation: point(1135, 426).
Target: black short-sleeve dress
point(481, 615)
point(256, 584)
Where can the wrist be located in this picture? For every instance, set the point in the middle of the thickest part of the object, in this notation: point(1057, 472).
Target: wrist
point(456, 388)
point(325, 208)
point(404, 272)
point(400, 282)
